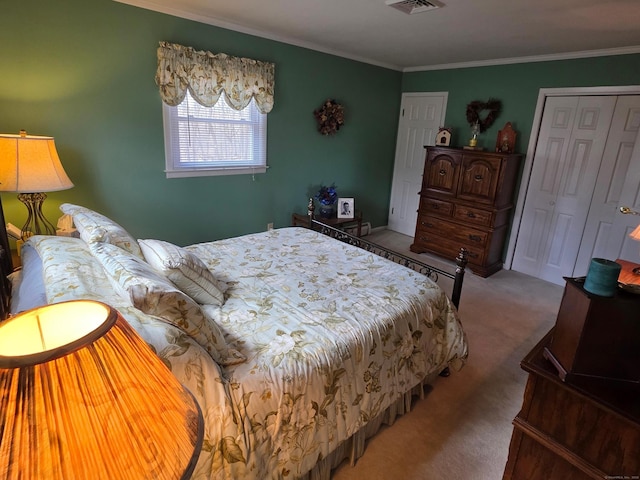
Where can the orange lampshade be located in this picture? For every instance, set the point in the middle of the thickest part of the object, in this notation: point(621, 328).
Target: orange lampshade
point(636, 234)
point(84, 397)
point(30, 166)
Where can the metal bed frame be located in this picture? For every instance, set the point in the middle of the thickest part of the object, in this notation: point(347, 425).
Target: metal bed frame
point(428, 270)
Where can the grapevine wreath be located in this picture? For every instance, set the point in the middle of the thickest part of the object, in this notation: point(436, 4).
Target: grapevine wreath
point(476, 107)
point(330, 117)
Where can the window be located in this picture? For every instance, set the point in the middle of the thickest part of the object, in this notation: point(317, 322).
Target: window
point(215, 110)
point(214, 140)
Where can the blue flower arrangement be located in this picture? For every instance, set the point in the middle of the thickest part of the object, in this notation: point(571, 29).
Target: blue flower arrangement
point(328, 198)
point(327, 195)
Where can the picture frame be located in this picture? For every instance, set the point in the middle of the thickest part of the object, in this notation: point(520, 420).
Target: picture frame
point(346, 207)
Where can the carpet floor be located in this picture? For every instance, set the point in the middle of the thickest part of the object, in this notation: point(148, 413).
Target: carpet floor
point(462, 428)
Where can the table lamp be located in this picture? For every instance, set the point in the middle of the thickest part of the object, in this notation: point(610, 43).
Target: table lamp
point(635, 234)
point(83, 396)
point(30, 166)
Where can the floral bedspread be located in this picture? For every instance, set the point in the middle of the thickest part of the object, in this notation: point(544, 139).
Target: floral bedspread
point(332, 334)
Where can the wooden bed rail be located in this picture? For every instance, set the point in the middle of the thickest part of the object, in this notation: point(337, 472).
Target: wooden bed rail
point(428, 270)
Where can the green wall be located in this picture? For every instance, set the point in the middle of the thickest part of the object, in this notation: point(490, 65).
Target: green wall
point(517, 87)
point(83, 72)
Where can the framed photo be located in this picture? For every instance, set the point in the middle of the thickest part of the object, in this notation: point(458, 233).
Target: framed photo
point(346, 208)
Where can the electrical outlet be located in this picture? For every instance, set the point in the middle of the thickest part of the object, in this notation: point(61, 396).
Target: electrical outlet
point(269, 227)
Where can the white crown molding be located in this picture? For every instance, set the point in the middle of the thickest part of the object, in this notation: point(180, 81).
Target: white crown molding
point(217, 22)
point(605, 52)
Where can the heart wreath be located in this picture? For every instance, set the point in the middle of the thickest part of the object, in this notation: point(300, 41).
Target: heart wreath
point(475, 108)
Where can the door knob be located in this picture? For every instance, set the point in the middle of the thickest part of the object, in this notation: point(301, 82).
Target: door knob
point(627, 210)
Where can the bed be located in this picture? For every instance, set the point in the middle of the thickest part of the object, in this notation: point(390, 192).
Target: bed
point(297, 346)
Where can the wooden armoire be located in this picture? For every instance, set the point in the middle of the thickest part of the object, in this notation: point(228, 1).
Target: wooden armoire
point(466, 201)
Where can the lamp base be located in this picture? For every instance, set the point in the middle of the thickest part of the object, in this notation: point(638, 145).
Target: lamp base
point(36, 223)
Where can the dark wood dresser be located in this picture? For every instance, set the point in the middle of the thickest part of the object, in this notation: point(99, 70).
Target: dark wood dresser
point(587, 427)
point(466, 201)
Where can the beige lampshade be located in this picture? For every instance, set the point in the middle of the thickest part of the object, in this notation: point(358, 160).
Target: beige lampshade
point(636, 234)
point(30, 164)
point(83, 396)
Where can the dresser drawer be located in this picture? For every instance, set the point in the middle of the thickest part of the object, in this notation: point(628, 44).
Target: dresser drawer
point(472, 215)
point(447, 248)
point(465, 236)
point(436, 207)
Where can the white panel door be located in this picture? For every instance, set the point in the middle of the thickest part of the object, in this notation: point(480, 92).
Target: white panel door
point(572, 138)
point(606, 232)
point(421, 115)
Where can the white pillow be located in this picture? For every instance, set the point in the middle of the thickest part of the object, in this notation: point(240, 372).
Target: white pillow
point(153, 294)
point(95, 227)
point(184, 269)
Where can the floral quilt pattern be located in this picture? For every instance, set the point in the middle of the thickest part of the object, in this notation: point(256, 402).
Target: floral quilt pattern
point(332, 334)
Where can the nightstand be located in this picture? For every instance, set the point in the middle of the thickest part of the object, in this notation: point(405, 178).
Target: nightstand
point(300, 220)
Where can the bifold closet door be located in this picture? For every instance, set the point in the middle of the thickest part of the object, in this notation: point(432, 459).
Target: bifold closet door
point(571, 144)
point(606, 234)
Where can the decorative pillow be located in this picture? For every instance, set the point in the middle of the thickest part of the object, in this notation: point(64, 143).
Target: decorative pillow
point(184, 269)
point(95, 227)
point(153, 294)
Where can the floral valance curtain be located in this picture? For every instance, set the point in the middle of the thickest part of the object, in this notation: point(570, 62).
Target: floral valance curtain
point(207, 75)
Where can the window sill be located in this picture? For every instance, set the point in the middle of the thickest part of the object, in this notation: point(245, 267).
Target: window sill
point(197, 172)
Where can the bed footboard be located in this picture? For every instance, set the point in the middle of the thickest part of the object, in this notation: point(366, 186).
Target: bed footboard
point(428, 270)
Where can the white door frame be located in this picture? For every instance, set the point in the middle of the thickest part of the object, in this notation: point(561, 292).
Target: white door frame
point(406, 95)
point(533, 141)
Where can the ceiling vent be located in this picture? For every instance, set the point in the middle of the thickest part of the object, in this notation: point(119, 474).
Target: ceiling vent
point(413, 6)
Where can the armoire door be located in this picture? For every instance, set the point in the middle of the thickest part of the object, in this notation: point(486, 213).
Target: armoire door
point(421, 115)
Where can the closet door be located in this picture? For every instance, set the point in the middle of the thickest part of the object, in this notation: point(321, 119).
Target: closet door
point(607, 231)
point(572, 138)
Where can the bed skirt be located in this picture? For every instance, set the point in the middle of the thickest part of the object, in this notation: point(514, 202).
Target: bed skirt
point(353, 448)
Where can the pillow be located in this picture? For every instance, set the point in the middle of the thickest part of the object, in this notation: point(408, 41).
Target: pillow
point(153, 294)
point(95, 227)
point(28, 290)
point(184, 269)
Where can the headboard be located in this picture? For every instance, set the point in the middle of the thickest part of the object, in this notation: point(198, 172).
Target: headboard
point(6, 268)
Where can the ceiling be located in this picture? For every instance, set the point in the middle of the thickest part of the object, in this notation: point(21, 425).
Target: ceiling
point(460, 33)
